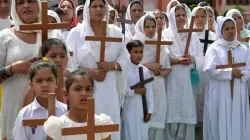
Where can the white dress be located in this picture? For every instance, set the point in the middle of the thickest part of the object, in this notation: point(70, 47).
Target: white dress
point(13, 49)
point(134, 127)
point(204, 78)
point(226, 118)
point(53, 127)
point(86, 54)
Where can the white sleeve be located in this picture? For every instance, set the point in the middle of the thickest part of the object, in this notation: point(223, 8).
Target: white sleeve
point(3, 52)
point(52, 127)
point(149, 95)
point(72, 45)
point(19, 131)
point(104, 120)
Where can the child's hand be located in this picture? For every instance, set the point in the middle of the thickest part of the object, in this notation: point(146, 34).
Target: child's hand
point(141, 91)
point(147, 118)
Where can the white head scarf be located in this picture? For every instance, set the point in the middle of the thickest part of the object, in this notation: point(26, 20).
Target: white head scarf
point(17, 19)
point(194, 12)
point(80, 7)
point(230, 44)
point(54, 15)
point(116, 14)
point(130, 28)
point(169, 6)
point(211, 10)
point(164, 23)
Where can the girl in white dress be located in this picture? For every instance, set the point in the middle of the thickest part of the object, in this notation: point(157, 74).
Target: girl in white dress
point(16, 50)
point(79, 87)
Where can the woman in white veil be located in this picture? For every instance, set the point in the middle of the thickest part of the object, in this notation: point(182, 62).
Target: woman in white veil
point(110, 75)
point(17, 50)
point(159, 71)
point(171, 4)
point(181, 99)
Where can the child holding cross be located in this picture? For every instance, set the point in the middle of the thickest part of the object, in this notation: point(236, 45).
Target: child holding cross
point(43, 80)
point(135, 124)
point(79, 87)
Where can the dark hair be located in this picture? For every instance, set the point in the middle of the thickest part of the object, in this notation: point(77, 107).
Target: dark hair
point(165, 16)
point(136, 2)
point(148, 17)
point(104, 2)
point(48, 44)
point(225, 13)
point(228, 20)
point(134, 44)
point(59, 12)
point(40, 65)
point(71, 77)
point(79, 12)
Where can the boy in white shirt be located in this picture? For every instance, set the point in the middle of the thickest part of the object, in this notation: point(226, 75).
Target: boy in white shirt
point(43, 80)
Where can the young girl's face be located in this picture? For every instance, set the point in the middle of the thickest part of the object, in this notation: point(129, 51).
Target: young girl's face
point(58, 56)
point(43, 83)
point(80, 90)
point(149, 28)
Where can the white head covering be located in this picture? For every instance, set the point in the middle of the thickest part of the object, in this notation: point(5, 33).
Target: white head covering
point(116, 14)
point(130, 28)
point(194, 12)
point(210, 9)
point(169, 6)
point(164, 23)
point(230, 44)
point(80, 7)
point(18, 21)
point(54, 15)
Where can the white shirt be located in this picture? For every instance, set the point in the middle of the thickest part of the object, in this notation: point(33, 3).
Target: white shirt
point(31, 111)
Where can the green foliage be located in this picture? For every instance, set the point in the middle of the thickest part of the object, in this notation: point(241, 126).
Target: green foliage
point(192, 6)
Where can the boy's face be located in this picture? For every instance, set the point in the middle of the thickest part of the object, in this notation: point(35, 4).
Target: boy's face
point(136, 54)
point(43, 83)
point(58, 56)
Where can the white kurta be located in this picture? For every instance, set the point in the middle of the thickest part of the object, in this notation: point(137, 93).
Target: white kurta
point(86, 55)
point(134, 127)
point(5, 23)
point(181, 100)
point(226, 118)
point(53, 127)
point(13, 49)
point(204, 78)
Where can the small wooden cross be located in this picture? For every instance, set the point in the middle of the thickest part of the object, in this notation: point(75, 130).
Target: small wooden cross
point(231, 65)
point(51, 111)
point(44, 26)
point(241, 39)
point(158, 43)
point(142, 84)
point(103, 40)
point(123, 22)
point(206, 41)
point(190, 30)
point(91, 129)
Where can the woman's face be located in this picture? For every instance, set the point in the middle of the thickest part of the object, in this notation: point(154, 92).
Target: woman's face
point(149, 28)
point(210, 19)
point(97, 10)
point(111, 17)
point(4, 9)
point(68, 9)
point(27, 10)
point(239, 22)
point(200, 18)
point(51, 19)
point(136, 12)
point(228, 30)
point(180, 16)
point(159, 18)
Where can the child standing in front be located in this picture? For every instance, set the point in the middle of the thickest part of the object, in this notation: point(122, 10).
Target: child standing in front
point(135, 126)
point(43, 80)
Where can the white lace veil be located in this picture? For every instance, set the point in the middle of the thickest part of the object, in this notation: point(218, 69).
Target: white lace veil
point(18, 21)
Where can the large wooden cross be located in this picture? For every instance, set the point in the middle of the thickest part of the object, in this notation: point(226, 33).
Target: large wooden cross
point(142, 84)
point(103, 40)
point(231, 65)
point(190, 31)
point(206, 41)
point(158, 43)
point(44, 26)
point(51, 111)
point(123, 22)
point(91, 128)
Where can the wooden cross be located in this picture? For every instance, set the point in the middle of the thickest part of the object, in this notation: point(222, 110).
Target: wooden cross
point(123, 22)
point(51, 111)
point(231, 65)
point(91, 129)
point(190, 30)
point(44, 26)
point(158, 43)
point(103, 40)
point(142, 84)
point(206, 41)
point(241, 39)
